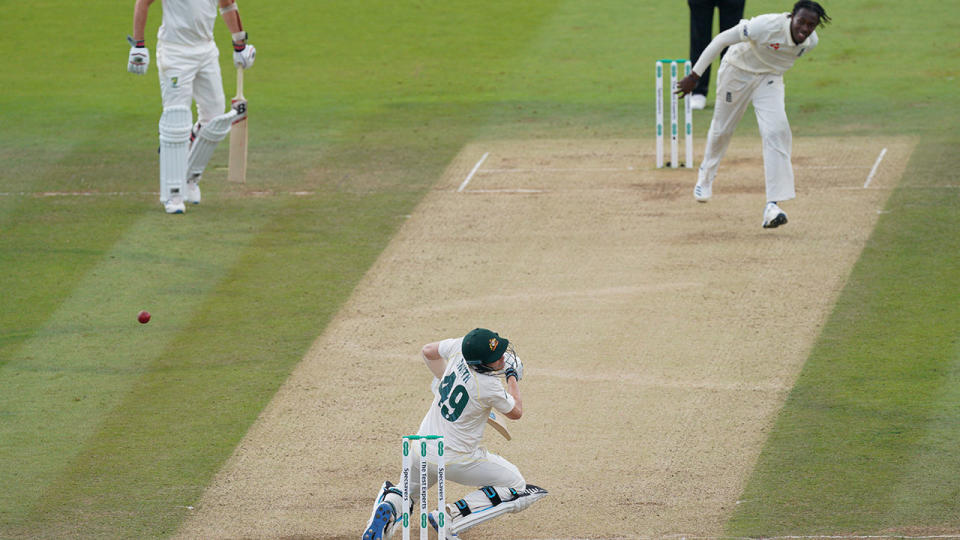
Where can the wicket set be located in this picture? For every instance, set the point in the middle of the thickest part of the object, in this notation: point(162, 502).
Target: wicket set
point(674, 115)
point(409, 442)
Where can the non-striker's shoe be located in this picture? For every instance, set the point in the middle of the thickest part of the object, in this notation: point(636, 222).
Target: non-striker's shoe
point(773, 216)
point(193, 191)
point(174, 205)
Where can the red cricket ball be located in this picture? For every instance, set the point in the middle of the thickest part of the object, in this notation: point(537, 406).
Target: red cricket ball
point(143, 317)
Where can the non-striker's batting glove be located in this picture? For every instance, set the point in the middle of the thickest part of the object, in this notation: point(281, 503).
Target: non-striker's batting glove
point(514, 368)
point(139, 59)
point(243, 55)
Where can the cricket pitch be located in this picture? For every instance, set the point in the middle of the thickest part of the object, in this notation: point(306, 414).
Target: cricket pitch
point(660, 337)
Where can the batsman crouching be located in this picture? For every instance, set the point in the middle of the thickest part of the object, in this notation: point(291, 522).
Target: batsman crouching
point(466, 386)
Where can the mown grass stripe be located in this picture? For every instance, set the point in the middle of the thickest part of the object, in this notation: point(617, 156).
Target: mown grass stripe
point(67, 375)
point(867, 440)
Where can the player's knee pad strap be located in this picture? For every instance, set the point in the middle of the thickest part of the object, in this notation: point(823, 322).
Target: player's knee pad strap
point(175, 123)
point(485, 497)
point(486, 503)
point(209, 135)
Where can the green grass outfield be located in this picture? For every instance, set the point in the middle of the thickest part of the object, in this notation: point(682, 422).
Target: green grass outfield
point(109, 428)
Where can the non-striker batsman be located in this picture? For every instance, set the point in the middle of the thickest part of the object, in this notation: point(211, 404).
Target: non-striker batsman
point(189, 70)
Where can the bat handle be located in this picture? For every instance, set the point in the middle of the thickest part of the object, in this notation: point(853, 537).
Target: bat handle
point(240, 81)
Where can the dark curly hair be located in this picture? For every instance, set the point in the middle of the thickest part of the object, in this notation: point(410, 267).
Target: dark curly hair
point(814, 7)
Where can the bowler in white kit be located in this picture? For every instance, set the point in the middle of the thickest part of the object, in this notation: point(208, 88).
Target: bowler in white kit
point(189, 70)
point(466, 386)
point(761, 50)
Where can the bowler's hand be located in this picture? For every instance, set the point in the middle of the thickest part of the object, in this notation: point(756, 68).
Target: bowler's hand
point(687, 84)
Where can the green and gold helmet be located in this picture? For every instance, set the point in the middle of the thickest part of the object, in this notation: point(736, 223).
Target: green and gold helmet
point(482, 347)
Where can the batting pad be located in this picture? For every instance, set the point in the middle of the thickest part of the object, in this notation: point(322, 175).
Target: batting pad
point(490, 502)
point(175, 123)
point(206, 142)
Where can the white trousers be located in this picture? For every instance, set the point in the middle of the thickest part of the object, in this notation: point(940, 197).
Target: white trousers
point(191, 73)
point(735, 90)
point(477, 469)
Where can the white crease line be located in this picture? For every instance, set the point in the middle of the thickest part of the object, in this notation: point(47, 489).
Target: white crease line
point(630, 168)
point(811, 537)
point(518, 190)
point(135, 193)
point(74, 193)
point(831, 167)
point(473, 172)
point(559, 169)
point(796, 537)
point(852, 188)
point(873, 171)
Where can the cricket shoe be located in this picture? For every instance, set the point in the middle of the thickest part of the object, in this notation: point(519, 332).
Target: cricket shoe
point(702, 192)
point(174, 205)
point(698, 102)
point(381, 518)
point(382, 522)
point(433, 518)
point(773, 216)
point(193, 190)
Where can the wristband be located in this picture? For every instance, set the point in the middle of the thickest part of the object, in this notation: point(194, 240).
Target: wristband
point(238, 36)
point(510, 373)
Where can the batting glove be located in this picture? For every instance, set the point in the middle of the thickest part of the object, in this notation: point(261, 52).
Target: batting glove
point(139, 59)
point(243, 55)
point(513, 368)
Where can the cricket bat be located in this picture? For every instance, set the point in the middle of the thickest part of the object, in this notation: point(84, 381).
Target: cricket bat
point(237, 168)
point(497, 425)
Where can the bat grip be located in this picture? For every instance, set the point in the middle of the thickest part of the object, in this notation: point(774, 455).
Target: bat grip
point(240, 81)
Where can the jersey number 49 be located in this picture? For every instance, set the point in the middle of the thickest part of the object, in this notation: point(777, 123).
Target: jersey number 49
point(453, 399)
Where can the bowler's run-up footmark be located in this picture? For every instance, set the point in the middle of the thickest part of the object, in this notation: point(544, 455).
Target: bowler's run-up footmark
point(424, 444)
point(674, 114)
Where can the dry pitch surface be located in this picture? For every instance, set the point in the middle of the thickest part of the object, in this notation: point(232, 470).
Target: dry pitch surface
point(660, 337)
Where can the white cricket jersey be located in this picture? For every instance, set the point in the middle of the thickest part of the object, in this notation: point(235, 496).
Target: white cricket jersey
point(766, 45)
point(462, 401)
point(188, 22)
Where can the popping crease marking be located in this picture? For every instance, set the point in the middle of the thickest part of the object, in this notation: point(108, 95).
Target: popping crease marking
point(873, 171)
point(473, 172)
